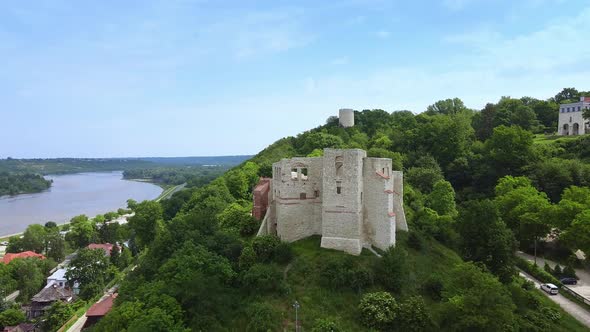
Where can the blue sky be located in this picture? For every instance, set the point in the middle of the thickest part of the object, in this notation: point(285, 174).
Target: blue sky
point(180, 78)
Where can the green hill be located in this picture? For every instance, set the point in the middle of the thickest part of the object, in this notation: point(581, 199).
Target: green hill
point(468, 184)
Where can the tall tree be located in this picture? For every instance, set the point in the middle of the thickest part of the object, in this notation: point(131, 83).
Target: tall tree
point(145, 222)
point(567, 94)
point(34, 238)
point(89, 269)
point(486, 239)
point(510, 149)
point(476, 301)
point(442, 198)
point(447, 107)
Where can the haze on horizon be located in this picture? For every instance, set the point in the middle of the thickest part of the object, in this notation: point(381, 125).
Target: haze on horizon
point(201, 78)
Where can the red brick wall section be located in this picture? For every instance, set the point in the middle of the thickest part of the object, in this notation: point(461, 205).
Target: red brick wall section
point(260, 195)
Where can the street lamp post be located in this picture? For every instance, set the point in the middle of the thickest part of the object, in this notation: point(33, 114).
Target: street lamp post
point(296, 306)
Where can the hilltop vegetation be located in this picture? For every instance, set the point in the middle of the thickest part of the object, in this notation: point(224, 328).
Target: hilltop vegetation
point(477, 188)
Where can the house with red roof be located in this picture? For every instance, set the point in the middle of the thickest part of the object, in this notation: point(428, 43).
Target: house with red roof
point(107, 247)
point(25, 254)
point(99, 310)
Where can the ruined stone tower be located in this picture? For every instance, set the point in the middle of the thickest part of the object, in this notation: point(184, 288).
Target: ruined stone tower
point(351, 200)
point(346, 117)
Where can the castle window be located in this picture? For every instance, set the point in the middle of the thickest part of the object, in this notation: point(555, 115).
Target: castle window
point(339, 163)
point(302, 196)
point(339, 187)
point(316, 193)
point(294, 174)
point(304, 174)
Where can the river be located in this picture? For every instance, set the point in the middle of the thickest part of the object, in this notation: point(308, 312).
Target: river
point(69, 196)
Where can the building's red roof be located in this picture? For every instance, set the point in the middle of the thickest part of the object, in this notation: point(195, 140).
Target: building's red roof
point(101, 308)
point(25, 254)
point(107, 247)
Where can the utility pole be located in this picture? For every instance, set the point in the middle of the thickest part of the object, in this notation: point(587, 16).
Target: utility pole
point(296, 306)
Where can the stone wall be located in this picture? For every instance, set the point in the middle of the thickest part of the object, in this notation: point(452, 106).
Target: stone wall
point(378, 202)
point(297, 185)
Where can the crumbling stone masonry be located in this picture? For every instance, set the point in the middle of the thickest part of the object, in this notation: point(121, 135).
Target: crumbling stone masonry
point(351, 200)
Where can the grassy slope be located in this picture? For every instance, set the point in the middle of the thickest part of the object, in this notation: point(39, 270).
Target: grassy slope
point(551, 139)
point(319, 302)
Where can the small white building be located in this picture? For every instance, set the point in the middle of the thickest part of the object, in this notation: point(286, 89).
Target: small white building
point(58, 278)
point(571, 120)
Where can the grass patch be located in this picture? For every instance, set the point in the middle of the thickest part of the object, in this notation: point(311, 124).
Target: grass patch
point(552, 139)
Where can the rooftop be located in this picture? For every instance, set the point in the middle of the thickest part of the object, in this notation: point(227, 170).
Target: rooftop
point(53, 293)
point(58, 275)
point(107, 247)
point(25, 254)
point(101, 308)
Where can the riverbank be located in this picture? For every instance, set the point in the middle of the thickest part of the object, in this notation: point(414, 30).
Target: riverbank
point(72, 195)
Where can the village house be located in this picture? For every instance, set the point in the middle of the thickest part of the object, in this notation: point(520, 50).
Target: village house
point(25, 254)
point(45, 298)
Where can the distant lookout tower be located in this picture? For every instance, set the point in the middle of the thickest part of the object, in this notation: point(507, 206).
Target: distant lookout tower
point(346, 117)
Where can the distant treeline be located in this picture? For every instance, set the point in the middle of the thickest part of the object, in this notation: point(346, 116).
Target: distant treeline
point(193, 176)
point(15, 183)
point(78, 165)
point(70, 165)
point(219, 160)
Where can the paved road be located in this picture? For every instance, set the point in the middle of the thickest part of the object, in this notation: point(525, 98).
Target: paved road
point(570, 307)
point(12, 297)
point(583, 286)
point(78, 325)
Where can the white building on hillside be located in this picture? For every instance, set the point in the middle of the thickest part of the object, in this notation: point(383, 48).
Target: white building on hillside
point(571, 121)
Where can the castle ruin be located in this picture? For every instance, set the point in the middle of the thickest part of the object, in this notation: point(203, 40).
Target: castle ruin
point(351, 200)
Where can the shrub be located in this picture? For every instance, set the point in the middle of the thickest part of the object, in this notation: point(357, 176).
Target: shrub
point(569, 271)
point(377, 310)
point(283, 253)
point(528, 285)
point(11, 317)
point(343, 272)
point(247, 258)
point(263, 278)
point(433, 288)
point(263, 318)
point(415, 240)
point(547, 268)
point(536, 272)
point(264, 247)
point(557, 271)
point(551, 313)
point(391, 269)
point(325, 325)
point(412, 315)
